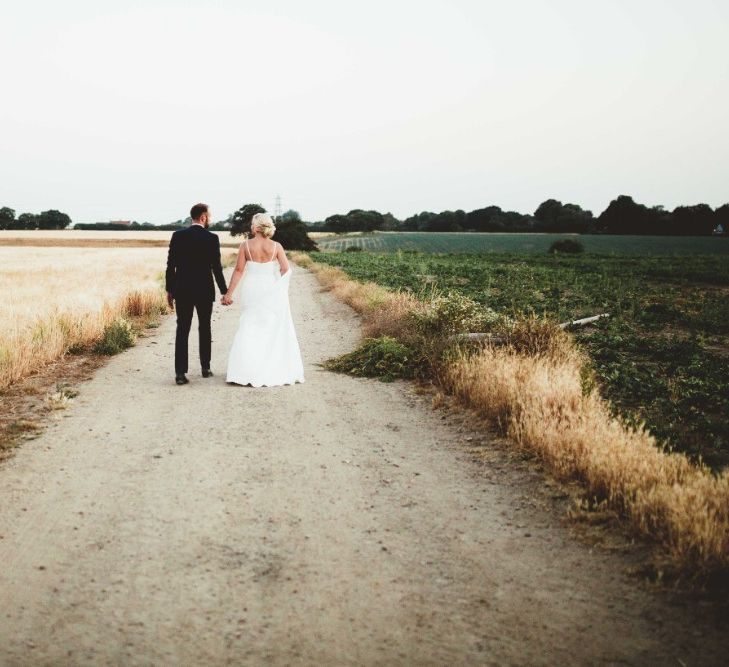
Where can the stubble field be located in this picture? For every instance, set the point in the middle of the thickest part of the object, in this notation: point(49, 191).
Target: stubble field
point(56, 299)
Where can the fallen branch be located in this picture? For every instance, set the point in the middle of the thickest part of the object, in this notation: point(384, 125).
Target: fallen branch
point(498, 340)
point(584, 320)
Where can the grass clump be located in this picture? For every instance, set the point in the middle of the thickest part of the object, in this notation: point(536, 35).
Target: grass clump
point(452, 313)
point(117, 337)
point(385, 358)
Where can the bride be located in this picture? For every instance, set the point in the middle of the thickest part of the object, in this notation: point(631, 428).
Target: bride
point(265, 350)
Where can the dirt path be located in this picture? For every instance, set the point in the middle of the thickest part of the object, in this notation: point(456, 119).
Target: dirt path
point(337, 522)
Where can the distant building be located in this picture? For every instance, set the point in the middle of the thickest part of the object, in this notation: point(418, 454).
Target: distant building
point(719, 230)
point(126, 223)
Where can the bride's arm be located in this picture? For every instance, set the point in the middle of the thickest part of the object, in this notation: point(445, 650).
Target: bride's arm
point(237, 274)
point(283, 261)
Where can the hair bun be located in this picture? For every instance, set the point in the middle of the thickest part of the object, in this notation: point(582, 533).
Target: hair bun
point(264, 224)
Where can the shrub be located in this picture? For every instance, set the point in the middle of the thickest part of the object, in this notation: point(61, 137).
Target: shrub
point(384, 357)
point(572, 246)
point(117, 337)
point(353, 248)
point(453, 313)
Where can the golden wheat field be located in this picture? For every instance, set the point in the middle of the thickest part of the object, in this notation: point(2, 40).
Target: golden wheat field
point(53, 299)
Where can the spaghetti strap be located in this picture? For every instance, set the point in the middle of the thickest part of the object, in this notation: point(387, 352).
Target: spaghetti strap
point(274, 251)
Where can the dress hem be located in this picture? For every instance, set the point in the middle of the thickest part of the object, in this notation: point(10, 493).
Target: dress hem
point(256, 385)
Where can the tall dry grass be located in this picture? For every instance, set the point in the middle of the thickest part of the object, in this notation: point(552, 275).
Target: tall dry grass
point(56, 299)
point(539, 400)
point(534, 389)
point(386, 313)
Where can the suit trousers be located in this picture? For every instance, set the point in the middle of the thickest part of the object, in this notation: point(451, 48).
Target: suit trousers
point(184, 307)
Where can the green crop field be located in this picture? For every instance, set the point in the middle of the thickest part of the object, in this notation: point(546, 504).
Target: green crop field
point(663, 355)
point(538, 243)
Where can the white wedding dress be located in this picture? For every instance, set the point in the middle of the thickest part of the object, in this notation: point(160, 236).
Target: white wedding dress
point(265, 350)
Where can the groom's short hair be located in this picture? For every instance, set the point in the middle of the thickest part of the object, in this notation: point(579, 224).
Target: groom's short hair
point(197, 210)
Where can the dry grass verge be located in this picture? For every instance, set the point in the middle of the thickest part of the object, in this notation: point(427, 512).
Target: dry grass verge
point(28, 350)
point(537, 390)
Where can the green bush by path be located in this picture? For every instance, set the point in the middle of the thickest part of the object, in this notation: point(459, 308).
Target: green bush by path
point(663, 355)
point(117, 337)
point(385, 358)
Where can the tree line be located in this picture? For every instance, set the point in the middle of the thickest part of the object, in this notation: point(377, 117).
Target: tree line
point(622, 216)
point(51, 219)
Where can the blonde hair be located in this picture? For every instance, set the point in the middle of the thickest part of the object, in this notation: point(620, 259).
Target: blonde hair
point(264, 224)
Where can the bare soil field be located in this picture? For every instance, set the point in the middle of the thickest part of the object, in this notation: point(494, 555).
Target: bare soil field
point(341, 521)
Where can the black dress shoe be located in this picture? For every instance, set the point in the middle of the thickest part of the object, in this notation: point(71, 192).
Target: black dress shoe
point(207, 373)
point(181, 379)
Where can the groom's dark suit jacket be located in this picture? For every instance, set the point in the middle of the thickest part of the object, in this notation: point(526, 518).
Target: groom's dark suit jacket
point(192, 260)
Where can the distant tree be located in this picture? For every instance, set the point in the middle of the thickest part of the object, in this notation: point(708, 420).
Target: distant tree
point(7, 217)
point(291, 231)
point(389, 222)
point(53, 219)
point(108, 226)
point(241, 220)
point(336, 223)
point(547, 213)
point(419, 221)
point(27, 221)
point(625, 216)
point(290, 215)
point(485, 220)
point(692, 220)
point(292, 234)
point(513, 221)
point(222, 225)
point(357, 220)
point(446, 221)
point(554, 216)
point(364, 221)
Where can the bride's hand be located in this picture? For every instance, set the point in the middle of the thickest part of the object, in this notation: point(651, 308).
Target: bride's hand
point(226, 300)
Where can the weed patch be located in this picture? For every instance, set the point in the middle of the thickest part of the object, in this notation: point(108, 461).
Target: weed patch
point(385, 358)
point(117, 337)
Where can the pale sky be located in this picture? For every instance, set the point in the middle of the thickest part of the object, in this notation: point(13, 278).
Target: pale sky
point(138, 109)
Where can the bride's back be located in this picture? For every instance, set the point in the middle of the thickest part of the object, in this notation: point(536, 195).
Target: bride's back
point(260, 249)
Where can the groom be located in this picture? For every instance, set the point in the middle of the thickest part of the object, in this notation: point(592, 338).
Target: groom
point(192, 260)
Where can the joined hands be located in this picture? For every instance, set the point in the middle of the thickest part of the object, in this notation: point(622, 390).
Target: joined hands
point(225, 300)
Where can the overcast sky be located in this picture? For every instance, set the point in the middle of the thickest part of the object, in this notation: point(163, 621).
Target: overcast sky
point(137, 109)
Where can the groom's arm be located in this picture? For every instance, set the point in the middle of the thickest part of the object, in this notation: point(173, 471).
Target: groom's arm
point(217, 266)
point(171, 269)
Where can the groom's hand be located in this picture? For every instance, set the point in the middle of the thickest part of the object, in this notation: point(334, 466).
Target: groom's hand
point(226, 300)
point(170, 301)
